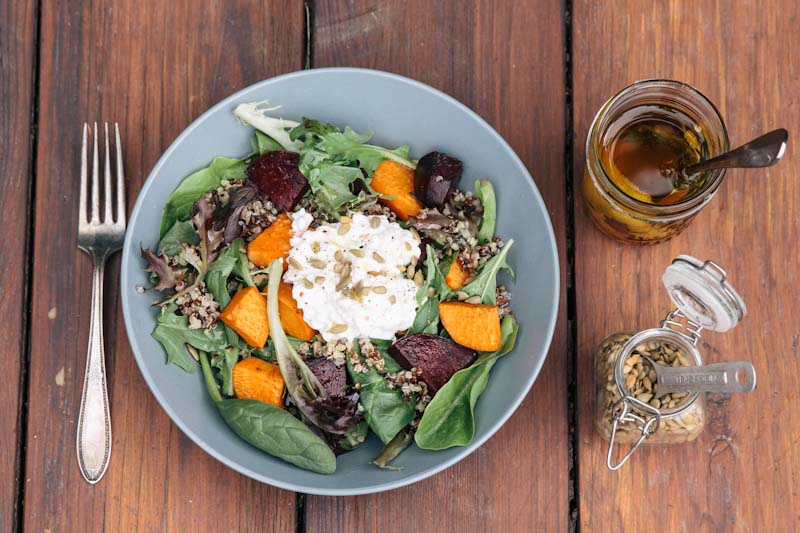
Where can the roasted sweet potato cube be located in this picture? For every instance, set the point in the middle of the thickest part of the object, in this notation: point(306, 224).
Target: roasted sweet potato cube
point(272, 243)
point(438, 358)
point(472, 325)
point(456, 276)
point(278, 176)
point(292, 316)
point(256, 379)
point(246, 314)
point(396, 180)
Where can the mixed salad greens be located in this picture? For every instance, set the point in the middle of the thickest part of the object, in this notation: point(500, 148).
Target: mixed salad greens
point(304, 395)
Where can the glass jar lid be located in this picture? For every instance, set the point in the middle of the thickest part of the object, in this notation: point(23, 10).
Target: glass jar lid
point(701, 292)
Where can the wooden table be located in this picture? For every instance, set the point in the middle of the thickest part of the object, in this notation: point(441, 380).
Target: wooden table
point(537, 70)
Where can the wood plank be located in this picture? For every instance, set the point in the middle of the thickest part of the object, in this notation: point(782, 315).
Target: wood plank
point(742, 473)
point(17, 56)
point(518, 480)
point(153, 67)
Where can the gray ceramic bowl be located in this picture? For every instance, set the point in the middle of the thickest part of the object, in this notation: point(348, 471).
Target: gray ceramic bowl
point(398, 110)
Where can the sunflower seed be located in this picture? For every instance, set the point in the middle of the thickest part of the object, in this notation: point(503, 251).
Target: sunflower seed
point(343, 282)
point(380, 289)
point(345, 220)
point(418, 278)
point(307, 284)
point(415, 234)
point(338, 267)
point(317, 263)
point(338, 255)
point(315, 247)
point(319, 280)
point(295, 263)
point(410, 272)
point(374, 222)
point(356, 252)
point(392, 299)
point(473, 300)
point(344, 228)
point(407, 245)
point(338, 328)
point(377, 257)
point(461, 295)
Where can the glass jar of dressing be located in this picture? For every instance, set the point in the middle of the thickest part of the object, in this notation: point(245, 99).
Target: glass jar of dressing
point(635, 144)
point(629, 407)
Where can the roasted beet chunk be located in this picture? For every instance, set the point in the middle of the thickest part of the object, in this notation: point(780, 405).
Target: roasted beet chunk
point(437, 357)
point(277, 175)
point(333, 378)
point(436, 178)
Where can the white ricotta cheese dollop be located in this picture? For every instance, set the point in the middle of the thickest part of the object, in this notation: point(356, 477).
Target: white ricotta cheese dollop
point(377, 300)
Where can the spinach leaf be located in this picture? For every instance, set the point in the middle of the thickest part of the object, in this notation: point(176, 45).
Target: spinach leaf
point(271, 429)
point(449, 420)
point(385, 409)
point(179, 205)
point(263, 143)
point(485, 283)
point(427, 319)
point(173, 332)
point(224, 362)
point(181, 231)
point(485, 193)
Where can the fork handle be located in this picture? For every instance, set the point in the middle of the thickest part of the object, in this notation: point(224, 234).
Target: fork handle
point(94, 420)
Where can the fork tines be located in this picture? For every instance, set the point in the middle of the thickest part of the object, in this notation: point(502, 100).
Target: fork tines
point(114, 208)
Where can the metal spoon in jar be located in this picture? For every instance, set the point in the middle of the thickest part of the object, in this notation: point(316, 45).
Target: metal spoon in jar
point(763, 151)
point(717, 377)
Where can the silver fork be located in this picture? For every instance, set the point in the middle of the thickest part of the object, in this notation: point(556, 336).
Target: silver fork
point(98, 237)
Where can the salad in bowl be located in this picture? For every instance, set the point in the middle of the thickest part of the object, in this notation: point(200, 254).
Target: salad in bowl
point(329, 288)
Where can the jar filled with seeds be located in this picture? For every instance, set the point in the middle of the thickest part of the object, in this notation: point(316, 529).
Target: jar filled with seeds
point(630, 407)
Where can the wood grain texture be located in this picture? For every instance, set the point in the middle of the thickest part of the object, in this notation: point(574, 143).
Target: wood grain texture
point(17, 56)
point(742, 473)
point(518, 480)
point(154, 67)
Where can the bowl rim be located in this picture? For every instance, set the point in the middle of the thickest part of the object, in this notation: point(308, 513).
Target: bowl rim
point(127, 261)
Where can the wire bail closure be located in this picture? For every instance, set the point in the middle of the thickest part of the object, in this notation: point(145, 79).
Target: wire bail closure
point(621, 414)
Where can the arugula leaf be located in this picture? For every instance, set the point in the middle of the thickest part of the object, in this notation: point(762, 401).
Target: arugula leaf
point(485, 283)
point(179, 205)
point(271, 429)
point(385, 409)
point(224, 362)
point(255, 114)
point(263, 143)
point(242, 267)
point(181, 231)
point(173, 332)
point(485, 193)
point(427, 319)
point(449, 420)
